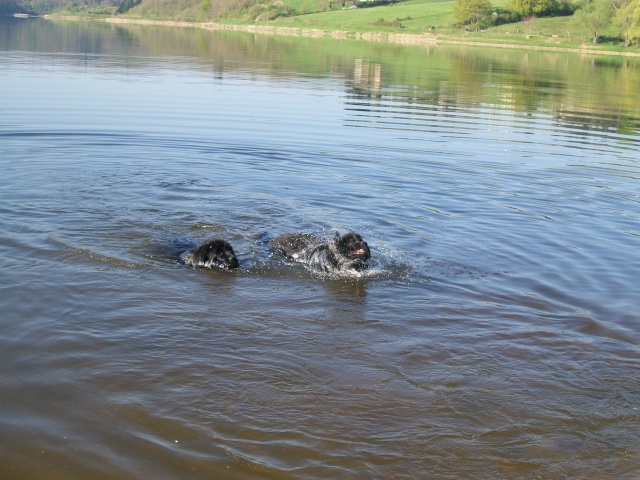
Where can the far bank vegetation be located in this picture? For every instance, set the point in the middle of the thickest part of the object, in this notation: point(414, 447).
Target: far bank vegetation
point(593, 21)
point(596, 17)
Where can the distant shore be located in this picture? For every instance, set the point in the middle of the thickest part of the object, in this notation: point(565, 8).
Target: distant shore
point(399, 38)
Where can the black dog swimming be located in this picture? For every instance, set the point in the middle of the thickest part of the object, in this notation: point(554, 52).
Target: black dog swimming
point(342, 253)
point(214, 253)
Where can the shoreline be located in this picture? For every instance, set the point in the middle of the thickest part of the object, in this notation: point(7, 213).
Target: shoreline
point(398, 38)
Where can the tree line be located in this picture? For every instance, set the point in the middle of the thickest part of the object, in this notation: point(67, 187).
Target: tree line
point(594, 16)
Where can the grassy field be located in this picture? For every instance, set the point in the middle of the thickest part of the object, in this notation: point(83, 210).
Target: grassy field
point(434, 17)
point(414, 16)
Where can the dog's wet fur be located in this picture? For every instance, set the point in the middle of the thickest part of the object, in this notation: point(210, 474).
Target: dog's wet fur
point(342, 253)
point(215, 254)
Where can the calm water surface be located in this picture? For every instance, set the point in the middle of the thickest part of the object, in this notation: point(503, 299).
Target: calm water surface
point(496, 335)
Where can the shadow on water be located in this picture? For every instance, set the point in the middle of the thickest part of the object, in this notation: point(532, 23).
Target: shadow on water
point(95, 256)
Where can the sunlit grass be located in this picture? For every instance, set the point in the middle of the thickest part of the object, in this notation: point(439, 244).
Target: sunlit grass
point(435, 17)
point(411, 16)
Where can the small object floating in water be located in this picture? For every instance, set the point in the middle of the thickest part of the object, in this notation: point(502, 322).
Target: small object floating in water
point(215, 253)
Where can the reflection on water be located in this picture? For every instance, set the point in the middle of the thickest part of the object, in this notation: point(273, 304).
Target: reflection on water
point(495, 336)
point(587, 93)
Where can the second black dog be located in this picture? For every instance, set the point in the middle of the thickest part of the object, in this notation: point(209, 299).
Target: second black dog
point(342, 253)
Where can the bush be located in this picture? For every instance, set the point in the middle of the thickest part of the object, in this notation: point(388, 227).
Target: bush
point(384, 23)
point(127, 5)
point(471, 11)
point(373, 3)
point(260, 12)
point(500, 16)
point(542, 8)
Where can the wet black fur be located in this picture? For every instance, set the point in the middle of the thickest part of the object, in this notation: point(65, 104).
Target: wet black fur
point(213, 253)
point(347, 252)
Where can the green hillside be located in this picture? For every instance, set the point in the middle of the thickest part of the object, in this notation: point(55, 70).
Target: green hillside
point(611, 24)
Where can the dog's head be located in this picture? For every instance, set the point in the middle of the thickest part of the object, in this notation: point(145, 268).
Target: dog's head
point(219, 254)
point(353, 247)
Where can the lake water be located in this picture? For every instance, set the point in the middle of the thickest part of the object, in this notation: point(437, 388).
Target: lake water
point(495, 336)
